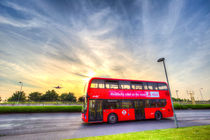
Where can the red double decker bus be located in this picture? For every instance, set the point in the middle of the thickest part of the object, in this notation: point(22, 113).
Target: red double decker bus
point(111, 100)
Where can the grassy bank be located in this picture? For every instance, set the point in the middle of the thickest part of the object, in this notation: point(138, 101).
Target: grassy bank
point(73, 108)
point(190, 106)
point(187, 133)
point(45, 103)
point(39, 109)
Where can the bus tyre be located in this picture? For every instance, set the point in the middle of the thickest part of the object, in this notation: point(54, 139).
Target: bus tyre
point(158, 115)
point(112, 118)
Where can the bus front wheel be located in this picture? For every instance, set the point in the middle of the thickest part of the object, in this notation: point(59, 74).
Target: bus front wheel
point(112, 118)
point(158, 115)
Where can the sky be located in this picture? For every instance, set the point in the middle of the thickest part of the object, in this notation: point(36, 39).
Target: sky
point(46, 43)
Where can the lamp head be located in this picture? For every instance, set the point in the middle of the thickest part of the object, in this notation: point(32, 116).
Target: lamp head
point(161, 59)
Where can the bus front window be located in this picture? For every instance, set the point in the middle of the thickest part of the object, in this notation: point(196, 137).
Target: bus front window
point(84, 108)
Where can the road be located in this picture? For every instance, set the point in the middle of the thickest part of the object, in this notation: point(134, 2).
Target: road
point(54, 126)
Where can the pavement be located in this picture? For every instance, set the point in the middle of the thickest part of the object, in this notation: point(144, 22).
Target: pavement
point(56, 126)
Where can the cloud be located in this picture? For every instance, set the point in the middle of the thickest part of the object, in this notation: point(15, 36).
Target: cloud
point(54, 43)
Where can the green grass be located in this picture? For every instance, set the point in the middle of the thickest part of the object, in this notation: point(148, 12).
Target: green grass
point(186, 133)
point(39, 109)
point(31, 102)
point(190, 106)
point(72, 108)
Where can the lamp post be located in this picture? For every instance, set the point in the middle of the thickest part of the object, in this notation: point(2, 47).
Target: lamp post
point(177, 94)
point(163, 60)
point(21, 85)
point(201, 93)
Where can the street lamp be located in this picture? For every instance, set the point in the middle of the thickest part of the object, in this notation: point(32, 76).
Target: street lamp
point(163, 60)
point(177, 94)
point(21, 85)
point(201, 93)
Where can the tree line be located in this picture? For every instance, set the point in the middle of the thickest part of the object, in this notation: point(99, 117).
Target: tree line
point(50, 95)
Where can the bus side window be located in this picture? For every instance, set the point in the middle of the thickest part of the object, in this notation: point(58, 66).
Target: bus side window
point(145, 86)
point(136, 85)
point(97, 83)
point(163, 102)
point(127, 104)
point(124, 84)
point(152, 103)
point(150, 86)
point(94, 84)
point(162, 86)
point(112, 84)
point(101, 84)
point(147, 105)
point(155, 86)
point(111, 104)
point(158, 103)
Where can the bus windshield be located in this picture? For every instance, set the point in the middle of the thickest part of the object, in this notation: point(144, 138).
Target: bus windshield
point(84, 108)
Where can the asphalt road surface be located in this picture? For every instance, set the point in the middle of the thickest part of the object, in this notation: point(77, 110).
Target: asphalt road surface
point(53, 126)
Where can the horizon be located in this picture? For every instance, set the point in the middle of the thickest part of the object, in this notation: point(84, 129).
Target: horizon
point(45, 44)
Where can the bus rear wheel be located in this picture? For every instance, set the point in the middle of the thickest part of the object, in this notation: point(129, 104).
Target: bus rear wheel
point(158, 115)
point(112, 118)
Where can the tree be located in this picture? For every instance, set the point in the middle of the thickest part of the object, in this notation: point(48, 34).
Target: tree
point(18, 96)
point(35, 96)
point(50, 96)
point(68, 97)
point(0, 99)
point(81, 99)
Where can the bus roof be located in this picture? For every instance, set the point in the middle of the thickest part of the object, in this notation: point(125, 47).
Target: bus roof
point(125, 80)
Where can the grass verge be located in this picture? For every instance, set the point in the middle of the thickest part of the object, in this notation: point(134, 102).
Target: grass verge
point(39, 109)
point(31, 102)
point(72, 108)
point(190, 106)
point(186, 133)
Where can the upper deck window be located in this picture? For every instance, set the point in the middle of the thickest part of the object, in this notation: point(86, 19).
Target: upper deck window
point(124, 84)
point(97, 83)
point(150, 86)
point(162, 86)
point(145, 85)
point(155, 86)
point(136, 85)
point(112, 84)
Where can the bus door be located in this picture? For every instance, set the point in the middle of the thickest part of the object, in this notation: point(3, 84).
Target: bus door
point(139, 109)
point(95, 110)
